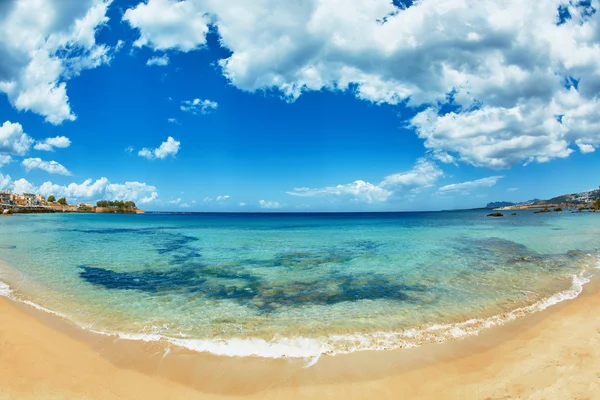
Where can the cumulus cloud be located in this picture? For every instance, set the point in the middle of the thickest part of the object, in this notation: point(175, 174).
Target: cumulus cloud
point(268, 204)
point(158, 61)
point(42, 45)
point(523, 73)
point(586, 148)
point(52, 167)
point(5, 181)
point(358, 190)
point(50, 144)
point(23, 186)
point(169, 148)
point(13, 140)
point(494, 137)
point(169, 24)
point(145, 200)
point(218, 198)
point(405, 184)
point(100, 189)
point(5, 159)
point(199, 106)
point(467, 187)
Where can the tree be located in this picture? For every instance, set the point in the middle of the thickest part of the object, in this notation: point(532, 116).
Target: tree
point(51, 199)
point(62, 201)
point(115, 204)
point(597, 204)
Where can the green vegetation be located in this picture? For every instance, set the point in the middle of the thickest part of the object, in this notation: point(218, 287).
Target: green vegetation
point(597, 204)
point(62, 201)
point(51, 199)
point(116, 204)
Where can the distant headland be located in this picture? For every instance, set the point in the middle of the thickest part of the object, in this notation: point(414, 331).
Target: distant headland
point(589, 200)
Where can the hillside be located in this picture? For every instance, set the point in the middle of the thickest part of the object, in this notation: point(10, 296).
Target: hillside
point(573, 200)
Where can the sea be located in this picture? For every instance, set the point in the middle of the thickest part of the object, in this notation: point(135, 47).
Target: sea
point(296, 285)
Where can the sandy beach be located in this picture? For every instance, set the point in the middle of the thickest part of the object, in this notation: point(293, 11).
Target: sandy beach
point(548, 355)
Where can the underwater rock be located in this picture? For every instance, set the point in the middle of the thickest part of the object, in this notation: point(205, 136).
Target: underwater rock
point(496, 214)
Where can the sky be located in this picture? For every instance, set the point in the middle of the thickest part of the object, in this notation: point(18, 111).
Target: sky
point(312, 105)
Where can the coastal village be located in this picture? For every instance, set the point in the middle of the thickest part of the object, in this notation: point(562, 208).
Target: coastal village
point(27, 203)
point(582, 201)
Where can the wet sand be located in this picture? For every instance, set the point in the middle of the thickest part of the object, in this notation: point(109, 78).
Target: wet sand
point(553, 354)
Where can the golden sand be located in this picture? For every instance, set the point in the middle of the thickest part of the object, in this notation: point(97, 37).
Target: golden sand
point(552, 354)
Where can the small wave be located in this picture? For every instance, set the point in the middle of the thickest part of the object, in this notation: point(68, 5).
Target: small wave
point(5, 289)
point(311, 349)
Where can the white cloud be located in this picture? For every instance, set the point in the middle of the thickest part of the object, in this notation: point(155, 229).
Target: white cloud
point(240, 204)
point(512, 189)
point(5, 159)
point(208, 199)
point(168, 148)
point(175, 201)
point(13, 140)
point(184, 205)
point(358, 191)
point(145, 200)
point(268, 204)
point(42, 45)
point(169, 24)
point(199, 106)
point(23, 186)
point(52, 167)
point(172, 120)
point(467, 187)
point(505, 67)
point(494, 137)
point(100, 189)
point(406, 184)
point(586, 148)
point(158, 61)
point(423, 175)
point(5, 181)
point(49, 144)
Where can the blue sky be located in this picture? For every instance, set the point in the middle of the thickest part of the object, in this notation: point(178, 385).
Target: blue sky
point(200, 105)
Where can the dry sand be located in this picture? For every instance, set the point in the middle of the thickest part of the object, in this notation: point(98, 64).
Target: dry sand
point(553, 354)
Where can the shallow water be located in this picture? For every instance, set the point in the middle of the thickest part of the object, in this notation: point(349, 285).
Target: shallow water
point(295, 284)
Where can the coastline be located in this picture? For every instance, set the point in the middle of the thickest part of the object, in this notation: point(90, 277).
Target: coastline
point(547, 354)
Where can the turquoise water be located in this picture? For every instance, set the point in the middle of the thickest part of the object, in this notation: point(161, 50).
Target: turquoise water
point(296, 285)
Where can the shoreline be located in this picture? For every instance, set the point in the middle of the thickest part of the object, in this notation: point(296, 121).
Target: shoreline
point(514, 359)
point(307, 351)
